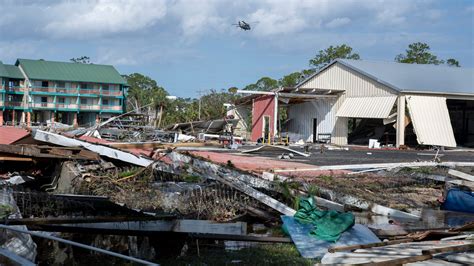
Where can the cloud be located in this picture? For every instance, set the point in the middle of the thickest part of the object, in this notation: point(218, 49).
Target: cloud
point(338, 22)
point(87, 19)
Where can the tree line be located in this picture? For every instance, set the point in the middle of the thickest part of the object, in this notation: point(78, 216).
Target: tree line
point(144, 91)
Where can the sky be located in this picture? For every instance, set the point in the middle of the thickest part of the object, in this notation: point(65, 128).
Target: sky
point(191, 45)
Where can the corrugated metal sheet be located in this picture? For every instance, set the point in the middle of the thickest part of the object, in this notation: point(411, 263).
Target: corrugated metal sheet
point(367, 107)
point(300, 125)
point(340, 77)
point(431, 121)
point(9, 135)
point(417, 77)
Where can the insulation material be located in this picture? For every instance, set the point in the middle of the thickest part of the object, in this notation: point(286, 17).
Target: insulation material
point(431, 121)
point(367, 107)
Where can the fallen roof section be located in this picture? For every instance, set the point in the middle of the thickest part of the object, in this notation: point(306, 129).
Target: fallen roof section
point(102, 150)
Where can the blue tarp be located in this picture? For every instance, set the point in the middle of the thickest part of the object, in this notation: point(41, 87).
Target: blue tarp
point(459, 200)
point(310, 247)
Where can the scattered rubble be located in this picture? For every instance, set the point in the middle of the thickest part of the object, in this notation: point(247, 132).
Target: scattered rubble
point(122, 178)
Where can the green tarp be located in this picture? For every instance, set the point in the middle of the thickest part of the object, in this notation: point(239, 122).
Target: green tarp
point(329, 225)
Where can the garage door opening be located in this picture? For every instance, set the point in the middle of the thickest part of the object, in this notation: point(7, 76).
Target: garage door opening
point(461, 113)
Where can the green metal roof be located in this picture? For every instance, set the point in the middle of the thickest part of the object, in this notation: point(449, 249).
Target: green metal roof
point(14, 72)
point(3, 70)
point(10, 71)
point(64, 71)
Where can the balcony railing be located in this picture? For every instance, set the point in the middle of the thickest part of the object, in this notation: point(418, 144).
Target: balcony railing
point(89, 107)
point(72, 91)
point(43, 105)
point(112, 107)
point(66, 106)
point(13, 104)
point(112, 92)
point(15, 89)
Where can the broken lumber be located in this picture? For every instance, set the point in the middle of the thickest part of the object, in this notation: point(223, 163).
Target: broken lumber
point(232, 178)
point(100, 149)
point(176, 226)
point(370, 206)
point(457, 248)
point(14, 158)
point(461, 175)
point(49, 152)
point(371, 245)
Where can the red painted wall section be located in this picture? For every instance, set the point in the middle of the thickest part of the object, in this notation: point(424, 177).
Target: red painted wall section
point(262, 106)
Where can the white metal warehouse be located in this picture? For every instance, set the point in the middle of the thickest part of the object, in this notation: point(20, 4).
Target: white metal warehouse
point(437, 100)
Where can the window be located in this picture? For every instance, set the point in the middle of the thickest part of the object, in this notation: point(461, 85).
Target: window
point(44, 99)
point(83, 86)
point(83, 101)
point(60, 84)
point(44, 84)
point(105, 86)
point(61, 100)
point(105, 102)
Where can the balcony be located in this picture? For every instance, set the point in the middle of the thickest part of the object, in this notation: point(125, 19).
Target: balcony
point(13, 104)
point(66, 106)
point(46, 105)
point(89, 91)
point(111, 107)
point(89, 107)
point(16, 89)
point(52, 90)
point(112, 93)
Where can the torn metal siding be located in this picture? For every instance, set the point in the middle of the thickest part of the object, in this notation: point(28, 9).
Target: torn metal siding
point(367, 107)
point(431, 121)
point(300, 125)
point(354, 84)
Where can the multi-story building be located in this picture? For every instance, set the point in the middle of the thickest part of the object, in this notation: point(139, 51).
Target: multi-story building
point(38, 91)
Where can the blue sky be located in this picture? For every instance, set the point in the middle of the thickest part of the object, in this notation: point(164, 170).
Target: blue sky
point(190, 45)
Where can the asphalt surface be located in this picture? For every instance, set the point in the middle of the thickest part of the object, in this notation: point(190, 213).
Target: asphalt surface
point(340, 157)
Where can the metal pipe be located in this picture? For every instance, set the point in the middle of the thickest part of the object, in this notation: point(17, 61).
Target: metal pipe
point(72, 243)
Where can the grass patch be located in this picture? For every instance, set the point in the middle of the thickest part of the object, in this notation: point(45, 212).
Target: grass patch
point(272, 254)
point(192, 178)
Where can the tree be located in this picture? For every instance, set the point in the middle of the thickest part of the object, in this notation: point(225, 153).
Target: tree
point(291, 80)
point(213, 104)
point(332, 53)
point(453, 62)
point(418, 53)
point(83, 60)
point(263, 84)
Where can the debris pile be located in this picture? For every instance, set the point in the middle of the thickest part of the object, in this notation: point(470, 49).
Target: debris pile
point(131, 180)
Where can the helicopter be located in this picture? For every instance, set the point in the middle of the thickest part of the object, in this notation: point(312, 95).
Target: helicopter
point(243, 25)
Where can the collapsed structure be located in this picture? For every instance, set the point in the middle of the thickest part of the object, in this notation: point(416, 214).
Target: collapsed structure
point(435, 103)
point(38, 91)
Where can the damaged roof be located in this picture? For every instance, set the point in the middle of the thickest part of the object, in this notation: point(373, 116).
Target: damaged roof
point(10, 135)
point(402, 77)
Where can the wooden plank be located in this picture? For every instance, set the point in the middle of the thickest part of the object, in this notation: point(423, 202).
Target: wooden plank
point(18, 159)
point(461, 175)
point(398, 261)
point(457, 248)
point(177, 226)
point(263, 198)
point(371, 245)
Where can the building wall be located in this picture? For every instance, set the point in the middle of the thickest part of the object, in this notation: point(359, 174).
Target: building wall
point(262, 106)
point(300, 125)
point(353, 84)
point(242, 127)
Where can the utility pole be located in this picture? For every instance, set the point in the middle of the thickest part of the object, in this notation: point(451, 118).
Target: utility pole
point(200, 94)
